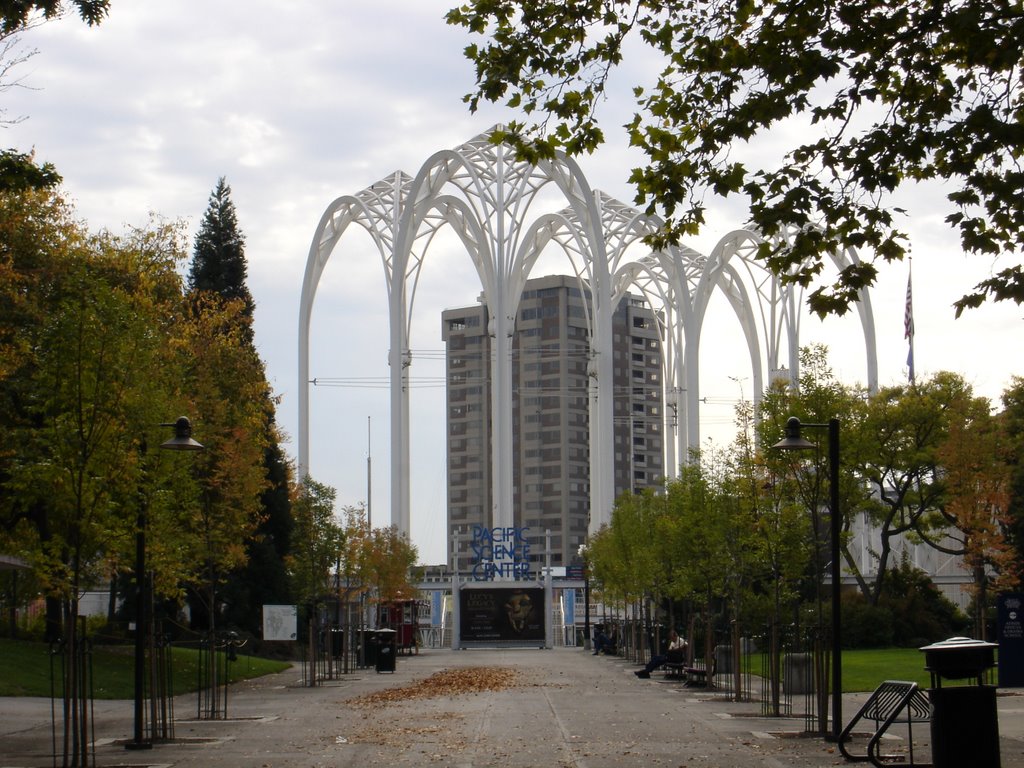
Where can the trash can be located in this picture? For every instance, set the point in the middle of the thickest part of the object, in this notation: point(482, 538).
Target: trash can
point(965, 722)
point(797, 673)
point(367, 648)
point(387, 640)
point(337, 642)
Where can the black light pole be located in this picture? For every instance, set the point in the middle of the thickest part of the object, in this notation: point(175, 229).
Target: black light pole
point(791, 442)
point(182, 441)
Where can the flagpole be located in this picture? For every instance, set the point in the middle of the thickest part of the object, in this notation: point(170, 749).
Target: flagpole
point(908, 322)
point(369, 471)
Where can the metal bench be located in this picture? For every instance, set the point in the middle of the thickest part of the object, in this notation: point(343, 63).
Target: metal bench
point(889, 701)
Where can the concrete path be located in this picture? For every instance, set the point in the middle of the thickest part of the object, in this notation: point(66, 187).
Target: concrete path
point(567, 709)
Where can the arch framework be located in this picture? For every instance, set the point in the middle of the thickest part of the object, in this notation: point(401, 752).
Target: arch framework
point(501, 210)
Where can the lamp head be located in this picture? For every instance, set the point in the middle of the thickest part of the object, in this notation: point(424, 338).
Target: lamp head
point(793, 441)
point(182, 440)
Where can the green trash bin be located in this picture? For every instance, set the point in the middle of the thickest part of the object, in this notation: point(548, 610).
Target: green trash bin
point(387, 650)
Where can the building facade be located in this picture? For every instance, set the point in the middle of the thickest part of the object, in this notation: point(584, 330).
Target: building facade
point(551, 429)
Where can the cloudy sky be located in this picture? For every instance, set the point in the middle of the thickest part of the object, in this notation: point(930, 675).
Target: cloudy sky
point(297, 103)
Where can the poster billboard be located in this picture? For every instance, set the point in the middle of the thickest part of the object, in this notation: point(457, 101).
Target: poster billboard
point(510, 615)
point(279, 622)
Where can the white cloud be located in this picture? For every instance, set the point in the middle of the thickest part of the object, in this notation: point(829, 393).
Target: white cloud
point(298, 103)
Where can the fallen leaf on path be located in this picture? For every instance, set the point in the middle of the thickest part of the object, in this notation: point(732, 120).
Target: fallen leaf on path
point(448, 682)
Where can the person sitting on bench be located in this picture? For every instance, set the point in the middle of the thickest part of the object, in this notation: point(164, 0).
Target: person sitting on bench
point(674, 655)
point(603, 642)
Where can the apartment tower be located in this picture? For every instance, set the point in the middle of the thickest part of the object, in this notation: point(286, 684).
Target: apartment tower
point(550, 414)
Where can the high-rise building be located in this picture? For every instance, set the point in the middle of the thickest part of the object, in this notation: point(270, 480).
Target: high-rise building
point(550, 415)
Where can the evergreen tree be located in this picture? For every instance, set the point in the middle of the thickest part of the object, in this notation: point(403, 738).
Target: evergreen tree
point(218, 260)
point(219, 266)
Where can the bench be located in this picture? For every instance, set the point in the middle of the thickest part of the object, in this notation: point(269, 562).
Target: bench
point(697, 674)
point(694, 674)
point(885, 706)
point(674, 668)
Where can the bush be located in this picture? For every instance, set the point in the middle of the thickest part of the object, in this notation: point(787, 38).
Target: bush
point(866, 625)
point(921, 614)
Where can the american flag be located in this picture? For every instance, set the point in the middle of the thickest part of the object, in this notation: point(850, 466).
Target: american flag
point(908, 329)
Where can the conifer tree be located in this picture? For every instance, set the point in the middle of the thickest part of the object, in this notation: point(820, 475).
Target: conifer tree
point(218, 259)
point(219, 266)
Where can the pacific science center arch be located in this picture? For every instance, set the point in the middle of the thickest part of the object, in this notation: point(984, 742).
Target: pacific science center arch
point(493, 204)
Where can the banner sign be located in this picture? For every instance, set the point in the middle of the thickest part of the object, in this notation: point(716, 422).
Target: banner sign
point(499, 553)
point(1010, 620)
point(502, 615)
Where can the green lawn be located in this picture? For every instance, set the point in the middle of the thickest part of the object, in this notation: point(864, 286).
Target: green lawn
point(25, 669)
point(864, 670)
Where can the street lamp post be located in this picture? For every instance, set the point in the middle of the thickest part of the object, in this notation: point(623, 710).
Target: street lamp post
point(793, 441)
point(182, 441)
point(582, 552)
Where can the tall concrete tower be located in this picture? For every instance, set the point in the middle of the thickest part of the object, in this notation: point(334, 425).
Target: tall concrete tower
point(551, 454)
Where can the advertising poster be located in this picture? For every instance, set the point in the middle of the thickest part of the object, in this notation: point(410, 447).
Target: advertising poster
point(510, 615)
point(279, 622)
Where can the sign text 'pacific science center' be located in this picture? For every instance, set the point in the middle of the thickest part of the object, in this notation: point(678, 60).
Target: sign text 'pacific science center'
point(500, 553)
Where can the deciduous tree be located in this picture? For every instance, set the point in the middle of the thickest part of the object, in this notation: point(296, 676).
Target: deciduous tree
point(84, 363)
point(15, 14)
point(319, 540)
point(864, 97)
point(19, 171)
point(976, 484)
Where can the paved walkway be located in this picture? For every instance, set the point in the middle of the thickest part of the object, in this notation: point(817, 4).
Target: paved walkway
point(568, 709)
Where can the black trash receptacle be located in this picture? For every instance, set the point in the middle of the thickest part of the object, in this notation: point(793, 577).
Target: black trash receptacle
point(367, 648)
point(965, 722)
point(337, 642)
point(387, 650)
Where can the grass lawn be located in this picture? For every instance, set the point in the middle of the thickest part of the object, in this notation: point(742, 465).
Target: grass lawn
point(864, 670)
point(25, 669)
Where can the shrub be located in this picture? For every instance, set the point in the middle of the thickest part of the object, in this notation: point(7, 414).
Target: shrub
point(866, 625)
point(921, 614)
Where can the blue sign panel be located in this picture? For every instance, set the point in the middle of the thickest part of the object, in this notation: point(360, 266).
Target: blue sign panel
point(1010, 608)
point(499, 553)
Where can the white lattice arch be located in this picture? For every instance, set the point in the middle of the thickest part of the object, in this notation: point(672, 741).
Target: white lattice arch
point(487, 198)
